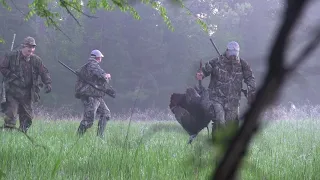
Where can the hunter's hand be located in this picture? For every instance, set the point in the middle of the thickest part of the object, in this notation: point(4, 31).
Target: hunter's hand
point(47, 88)
point(199, 75)
point(108, 76)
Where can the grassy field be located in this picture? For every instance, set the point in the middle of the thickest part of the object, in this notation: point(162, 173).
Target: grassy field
point(154, 150)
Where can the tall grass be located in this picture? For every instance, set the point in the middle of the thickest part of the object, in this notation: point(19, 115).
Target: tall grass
point(287, 148)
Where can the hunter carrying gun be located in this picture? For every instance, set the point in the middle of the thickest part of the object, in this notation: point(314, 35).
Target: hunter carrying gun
point(91, 96)
point(227, 72)
point(21, 70)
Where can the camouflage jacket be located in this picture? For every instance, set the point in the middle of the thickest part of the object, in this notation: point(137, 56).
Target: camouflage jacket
point(92, 72)
point(227, 77)
point(21, 75)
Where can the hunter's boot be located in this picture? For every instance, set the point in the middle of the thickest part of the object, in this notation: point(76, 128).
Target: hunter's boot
point(7, 128)
point(81, 130)
point(25, 123)
point(9, 123)
point(101, 126)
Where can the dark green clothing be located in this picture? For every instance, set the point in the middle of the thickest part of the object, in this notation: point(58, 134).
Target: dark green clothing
point(21, 77)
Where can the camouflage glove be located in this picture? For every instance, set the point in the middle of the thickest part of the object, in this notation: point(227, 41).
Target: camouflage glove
point(47, 88)
point(111, 92)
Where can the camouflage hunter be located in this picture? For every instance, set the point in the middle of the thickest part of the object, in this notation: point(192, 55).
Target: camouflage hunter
point(227, 73)
point(91, 98)
point(21, 70)
point(109, 91)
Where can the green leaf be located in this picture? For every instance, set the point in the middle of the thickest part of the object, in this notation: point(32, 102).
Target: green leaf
point(134, 13)
point(105, 5)
point(2, 40)
point(92, 5)
point(5, 5)
point(157, 6)
point(203, 25)
point(199, 21)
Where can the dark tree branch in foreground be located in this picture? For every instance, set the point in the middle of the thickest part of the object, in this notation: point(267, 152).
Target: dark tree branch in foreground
point(269, 91)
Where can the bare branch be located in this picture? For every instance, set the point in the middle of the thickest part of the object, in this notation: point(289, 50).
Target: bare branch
point(57, 27)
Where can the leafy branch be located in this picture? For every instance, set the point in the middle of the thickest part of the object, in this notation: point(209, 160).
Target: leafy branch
point(52, 17)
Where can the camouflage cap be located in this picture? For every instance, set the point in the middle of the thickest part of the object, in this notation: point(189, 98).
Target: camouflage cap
point(29, 41)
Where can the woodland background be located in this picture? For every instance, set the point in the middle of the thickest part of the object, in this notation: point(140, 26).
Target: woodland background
point(149, 61)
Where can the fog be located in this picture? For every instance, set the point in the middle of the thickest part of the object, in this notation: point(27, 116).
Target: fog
point(148, 62)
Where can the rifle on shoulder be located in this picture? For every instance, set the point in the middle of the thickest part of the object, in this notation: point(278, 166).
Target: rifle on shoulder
point(3, 88)
point(109, 91)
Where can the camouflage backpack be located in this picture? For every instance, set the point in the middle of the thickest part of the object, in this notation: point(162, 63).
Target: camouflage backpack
point(79, 84)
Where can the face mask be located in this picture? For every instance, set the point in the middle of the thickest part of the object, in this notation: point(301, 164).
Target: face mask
point(230, 53)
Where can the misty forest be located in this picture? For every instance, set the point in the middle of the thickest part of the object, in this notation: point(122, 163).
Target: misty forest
point(153, 49)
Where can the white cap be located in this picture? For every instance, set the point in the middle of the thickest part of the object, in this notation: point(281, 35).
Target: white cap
point(96, 53)
point(233, 46)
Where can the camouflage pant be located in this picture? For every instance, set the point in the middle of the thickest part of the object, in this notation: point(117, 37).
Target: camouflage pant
point(18, 107)
point(94, 106)
point(223, 114)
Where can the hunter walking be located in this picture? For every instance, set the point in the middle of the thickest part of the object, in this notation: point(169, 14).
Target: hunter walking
point(21, 70)
point(92, 98)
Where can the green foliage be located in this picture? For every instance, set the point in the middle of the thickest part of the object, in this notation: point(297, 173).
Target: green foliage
point(41, 9)
point(94, 158)
point(4, 4)
point(73, 8)
point(106, 6)
point(93, 5)
point(132, 11)
point(203, 25)
point(48, 10)
point(2, 40)
point(2, 174)
point(222, 137)
point(158, 149)
point(163, 14)
point(60, 159)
